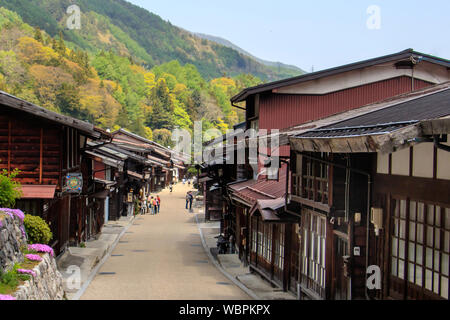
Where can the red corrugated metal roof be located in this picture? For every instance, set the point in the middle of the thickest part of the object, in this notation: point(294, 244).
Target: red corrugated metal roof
point(262, 189)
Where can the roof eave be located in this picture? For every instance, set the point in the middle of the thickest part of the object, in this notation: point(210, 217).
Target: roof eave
point(336, 70)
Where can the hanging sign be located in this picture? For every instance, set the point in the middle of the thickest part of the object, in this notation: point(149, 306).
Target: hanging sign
point(73, 183)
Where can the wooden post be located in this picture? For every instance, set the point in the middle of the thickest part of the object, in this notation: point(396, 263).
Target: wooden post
point(41, 154)
point(9, 145)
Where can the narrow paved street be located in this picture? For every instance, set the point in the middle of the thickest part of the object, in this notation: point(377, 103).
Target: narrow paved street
point(161, 257)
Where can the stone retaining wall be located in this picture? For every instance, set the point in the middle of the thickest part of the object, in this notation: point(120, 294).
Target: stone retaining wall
point(11, 239)
point(47, 285)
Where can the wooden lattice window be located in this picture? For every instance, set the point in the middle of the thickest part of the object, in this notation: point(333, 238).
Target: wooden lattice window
point(279, 248)
point(267, 242)
point(420, 245)
point(254, 234)
point(313, 252)
point(312, 180)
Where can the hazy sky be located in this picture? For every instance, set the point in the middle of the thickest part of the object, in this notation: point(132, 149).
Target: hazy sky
point(317, 33)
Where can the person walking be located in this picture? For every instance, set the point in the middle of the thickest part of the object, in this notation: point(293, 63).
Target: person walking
point(150, 206)
point(158, 200)
point(187, 199)
point(155, 205)
point(191, 199)
point(143, 206)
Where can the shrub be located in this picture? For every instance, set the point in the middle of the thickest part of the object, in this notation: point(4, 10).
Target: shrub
point(11, 279)
point(9, 189)
point(37, 229)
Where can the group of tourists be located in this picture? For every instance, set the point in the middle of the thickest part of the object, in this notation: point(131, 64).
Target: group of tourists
point(152, 205)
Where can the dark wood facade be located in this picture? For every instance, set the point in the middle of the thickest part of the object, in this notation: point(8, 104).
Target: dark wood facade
point(317, 248)
point(46, 151)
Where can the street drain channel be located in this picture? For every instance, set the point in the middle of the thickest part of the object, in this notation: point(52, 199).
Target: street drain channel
point(201, 261)
point(123, 241)
point(140, 251)
point(196, 245)
point(224, 283)
point(117, 255)
point(106, 273)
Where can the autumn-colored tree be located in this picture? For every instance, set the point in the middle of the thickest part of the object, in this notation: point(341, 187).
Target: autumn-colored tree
point(163, 137)
point(32, 51)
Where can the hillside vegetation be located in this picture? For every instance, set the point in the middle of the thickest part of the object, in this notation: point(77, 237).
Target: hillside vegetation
point(129, 30)
point(107, 86)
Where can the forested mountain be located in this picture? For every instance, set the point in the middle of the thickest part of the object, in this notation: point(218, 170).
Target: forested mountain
point(127, 29)
point(112, 89)
point(284, 70)
point(125, 67)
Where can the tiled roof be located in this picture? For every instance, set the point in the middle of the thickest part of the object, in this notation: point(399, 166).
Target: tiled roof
point(398, 115)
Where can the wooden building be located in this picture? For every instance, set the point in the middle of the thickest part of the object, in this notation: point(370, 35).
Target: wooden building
point(373, 186)
point(47, 148)
point(160, 157)
point(287, 105)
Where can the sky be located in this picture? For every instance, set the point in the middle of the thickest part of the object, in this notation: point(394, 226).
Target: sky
point(316, 34)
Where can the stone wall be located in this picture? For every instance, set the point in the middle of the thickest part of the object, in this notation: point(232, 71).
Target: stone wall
point(11, 239)
point(47, 285)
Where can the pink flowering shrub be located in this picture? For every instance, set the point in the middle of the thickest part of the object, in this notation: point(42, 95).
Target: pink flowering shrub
point(14, 213)
point(41, 248)
point(33, 257)
point(26, 271)
point(4, 297)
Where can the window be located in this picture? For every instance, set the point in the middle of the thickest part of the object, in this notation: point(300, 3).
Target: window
point(279, 248)
point(268, 243)
point(260, 239)
point(313, 252)
point(312, 180)
point(254, 234)
point(420, 245)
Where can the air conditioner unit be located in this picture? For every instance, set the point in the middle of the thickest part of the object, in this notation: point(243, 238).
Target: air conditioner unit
point(376, 218)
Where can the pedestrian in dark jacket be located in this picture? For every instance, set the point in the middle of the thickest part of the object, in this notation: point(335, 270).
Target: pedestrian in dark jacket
point(187, 199)
point(191, 199)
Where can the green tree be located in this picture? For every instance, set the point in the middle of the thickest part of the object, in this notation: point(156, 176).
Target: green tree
point(38, 35)
point(162, 107)
point(68, 101)
point(10, 189)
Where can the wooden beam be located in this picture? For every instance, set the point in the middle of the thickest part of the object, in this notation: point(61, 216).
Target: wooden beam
point(435, 127)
